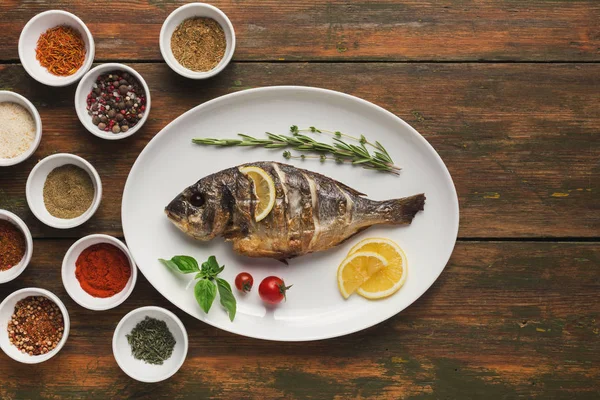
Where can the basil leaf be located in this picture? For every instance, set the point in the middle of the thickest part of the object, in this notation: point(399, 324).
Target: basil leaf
point(212, 266)
point(205, 271)
point(205, 293)
point(172, 266)
point(219, 270)
point(186, 264)
point(226, 297)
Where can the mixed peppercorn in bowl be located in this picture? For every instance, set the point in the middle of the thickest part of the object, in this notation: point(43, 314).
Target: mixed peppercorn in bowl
point(112, 101)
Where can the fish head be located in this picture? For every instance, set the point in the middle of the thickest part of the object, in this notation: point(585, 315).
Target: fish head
point(198, 210)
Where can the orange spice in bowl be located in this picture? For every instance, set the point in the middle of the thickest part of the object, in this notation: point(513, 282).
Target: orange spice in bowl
point(102, 270)
point(61, 50)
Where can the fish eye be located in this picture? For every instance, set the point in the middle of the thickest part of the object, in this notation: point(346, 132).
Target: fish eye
point(197, 199)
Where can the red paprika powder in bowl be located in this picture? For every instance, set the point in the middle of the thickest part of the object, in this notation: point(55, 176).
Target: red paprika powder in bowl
point(102, 270)
point(98, 272)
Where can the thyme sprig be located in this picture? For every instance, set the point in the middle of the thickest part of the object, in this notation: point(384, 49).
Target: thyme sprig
point(339, 150)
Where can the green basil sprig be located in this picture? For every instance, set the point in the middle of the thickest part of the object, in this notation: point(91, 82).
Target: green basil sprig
point(208, 283)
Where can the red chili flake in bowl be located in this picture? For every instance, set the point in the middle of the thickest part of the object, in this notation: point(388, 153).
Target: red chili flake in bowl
point(36, 326)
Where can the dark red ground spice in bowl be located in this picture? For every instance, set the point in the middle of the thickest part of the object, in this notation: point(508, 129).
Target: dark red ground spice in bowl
point(12, 245)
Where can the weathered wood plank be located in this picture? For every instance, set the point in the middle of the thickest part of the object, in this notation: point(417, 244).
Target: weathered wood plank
point(521, 141)
point(341, 30)
point(504, 320)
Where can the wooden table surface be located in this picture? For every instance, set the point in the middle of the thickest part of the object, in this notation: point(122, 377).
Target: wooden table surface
point(507, 91)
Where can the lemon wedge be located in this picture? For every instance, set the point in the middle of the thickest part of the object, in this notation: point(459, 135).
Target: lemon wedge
point(388, 280)
point(356, 269)
point(264, 189)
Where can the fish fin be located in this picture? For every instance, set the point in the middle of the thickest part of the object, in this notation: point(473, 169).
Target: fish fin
point(342, 186)
point(349, 189)
point(402, 211)
point(284, 260)
point(359, 230)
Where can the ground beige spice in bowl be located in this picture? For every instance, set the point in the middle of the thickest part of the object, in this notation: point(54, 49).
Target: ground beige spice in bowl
point(20, 130)
point(17, 130)
point(68, 191)
point(63, 190)
point(199, 44)
point(197, 40)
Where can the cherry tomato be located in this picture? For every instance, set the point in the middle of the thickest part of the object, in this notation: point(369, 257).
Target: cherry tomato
point(272, 290)
point(244, 282)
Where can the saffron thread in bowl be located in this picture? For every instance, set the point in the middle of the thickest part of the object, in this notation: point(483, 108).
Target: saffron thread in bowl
point(61, 50)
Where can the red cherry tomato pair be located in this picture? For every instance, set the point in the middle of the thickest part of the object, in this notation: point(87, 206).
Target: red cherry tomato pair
point(271, 290)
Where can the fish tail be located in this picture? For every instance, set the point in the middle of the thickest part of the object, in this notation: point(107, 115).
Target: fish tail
point(402, 211)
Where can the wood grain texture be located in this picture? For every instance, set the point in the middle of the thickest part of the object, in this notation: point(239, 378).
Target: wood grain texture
point(559, 30)
point(521, 141)
point(504, 320)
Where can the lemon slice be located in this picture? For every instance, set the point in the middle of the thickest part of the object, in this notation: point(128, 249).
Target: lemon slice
point(264, 189)
point(388, 280)
point(356, 269)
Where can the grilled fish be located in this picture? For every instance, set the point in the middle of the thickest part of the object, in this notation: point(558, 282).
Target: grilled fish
point(311, 213)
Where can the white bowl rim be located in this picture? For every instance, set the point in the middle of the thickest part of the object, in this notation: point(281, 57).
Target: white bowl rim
point(15, 219)
point(185, 72)
point(133, 278)
point(5, 162)
point(63, 80)
point(139, 310)
point(74, 221)
point(83, 116)
point(66, 321)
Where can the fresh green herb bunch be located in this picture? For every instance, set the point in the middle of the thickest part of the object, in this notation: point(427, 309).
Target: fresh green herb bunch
point(151, 341)
point(340, 151)
point(208, 283)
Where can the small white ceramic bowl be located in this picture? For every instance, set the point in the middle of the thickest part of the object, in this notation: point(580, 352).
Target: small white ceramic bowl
point(12, 273)
point(12, 97)
point(138, 369)
point(85, 87)
point(190, 11)
point(28, 43)
point(7, 308)
point(73, 286)
point(34, 189)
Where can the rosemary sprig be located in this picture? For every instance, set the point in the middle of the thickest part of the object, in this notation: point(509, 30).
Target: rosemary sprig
point(339, 150)
point(362, 139)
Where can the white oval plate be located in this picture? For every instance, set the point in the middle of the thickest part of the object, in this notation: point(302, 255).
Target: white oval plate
point(314, 308)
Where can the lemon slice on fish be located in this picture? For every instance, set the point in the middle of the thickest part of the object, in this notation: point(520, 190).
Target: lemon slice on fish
point(264, 189)
point(356, 269)
point(388, 280)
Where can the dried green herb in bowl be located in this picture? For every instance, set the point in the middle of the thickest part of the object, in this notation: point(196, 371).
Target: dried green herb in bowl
point(151, 341)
